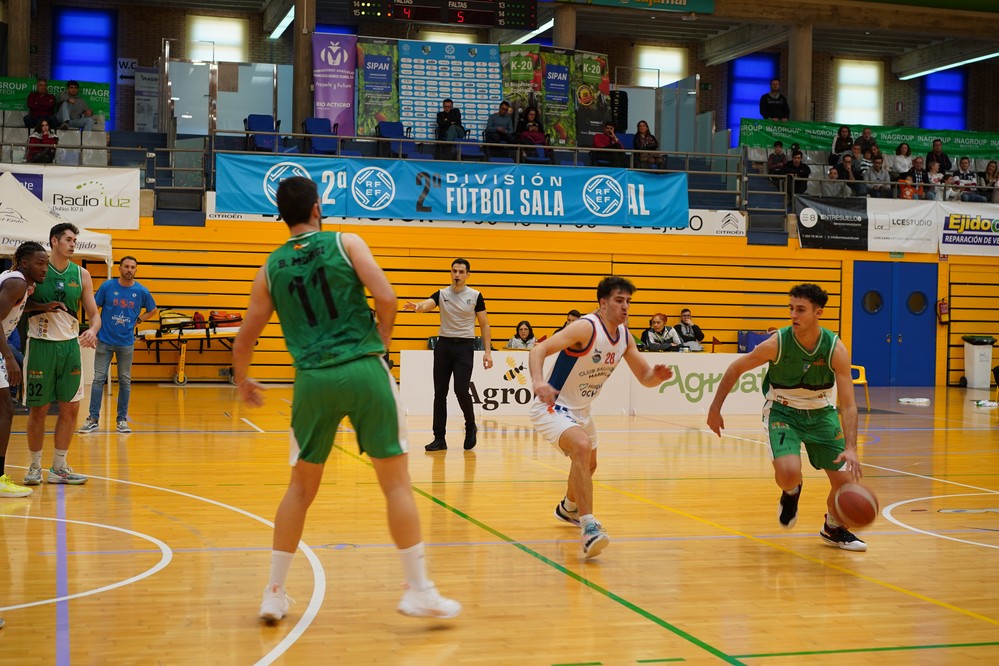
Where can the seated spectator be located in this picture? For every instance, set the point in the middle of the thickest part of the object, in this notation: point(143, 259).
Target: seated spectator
point(609, 148)
point(866, 140)
point(659, 337)
point(903, 159)
point(907, 190)
point(41, 106)
point(849, 173)
point(834, 187)
point(529, 126)
point(499, 126)
point(449, 126)
point(645, 145)
point(877, 179)
point(935, 178)
point(777, 159)
point(937, 154)
point(967, 180)
point(857, 155)
point(951, 191)
point(866, 162)
point(524, 338)
point(842, 143)
point(687, 329)
point(41, 144)
point(917, 177)
point(570, 316)
point(988, 182)
point(798, 172)
point(74, 110)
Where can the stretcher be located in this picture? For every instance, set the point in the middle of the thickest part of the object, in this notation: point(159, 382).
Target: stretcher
point(180, 338)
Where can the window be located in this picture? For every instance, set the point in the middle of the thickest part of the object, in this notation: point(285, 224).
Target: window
point(859, 92)
point(85, 48)
point(657, 66)
point(450, 37)
point(943, 100)
point(749, 79)
point(217, 39)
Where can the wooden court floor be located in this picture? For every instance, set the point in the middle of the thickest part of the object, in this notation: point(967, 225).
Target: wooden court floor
point(162, 556)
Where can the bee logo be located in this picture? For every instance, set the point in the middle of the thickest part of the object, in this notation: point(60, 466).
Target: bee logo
point(515, 372)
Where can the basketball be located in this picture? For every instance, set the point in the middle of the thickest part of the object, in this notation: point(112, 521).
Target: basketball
point(856, 505)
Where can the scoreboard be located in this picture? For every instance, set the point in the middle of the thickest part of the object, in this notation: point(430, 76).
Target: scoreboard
point(512, 14)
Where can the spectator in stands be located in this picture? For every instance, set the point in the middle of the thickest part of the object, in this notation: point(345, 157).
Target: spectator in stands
point(687, 329)
point(499, 126)
point(877, 179)
point(858, 158)
point(658, 336)
point(876, 152)
point(917, 176)
point(646, 144)
point(74, 110)
point(938, 155)
point(849, 172)
point(449, 126)
point(935, 177)
point(842, 143)
point(903, 159)
point(610, 147)
point(524, 338)
point(988, 182)
point(570, 316)
point(951, 191)
point(866, 140)
point(865, 162)
point(834, 187)
point(41, 106)
point(777, 159)
point(798, 172)
point(773, 105)
point(41, 144)
point(968, 181)
point(529, 126)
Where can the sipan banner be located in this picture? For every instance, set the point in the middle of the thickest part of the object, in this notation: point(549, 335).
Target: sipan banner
point(334, 58)
point(458, 191)
point(377, 78)
point(89, 197)
point(558, 108)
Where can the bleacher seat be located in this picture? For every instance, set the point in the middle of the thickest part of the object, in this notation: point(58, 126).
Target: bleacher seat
point(258, 122)
point(471, 150)
point(11, 137)
point(323, 140)
point(95, 158)
point(13, 118)
point(395, 130)
point(68, 152)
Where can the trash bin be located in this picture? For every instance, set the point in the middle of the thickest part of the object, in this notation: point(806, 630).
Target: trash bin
point(978, 360)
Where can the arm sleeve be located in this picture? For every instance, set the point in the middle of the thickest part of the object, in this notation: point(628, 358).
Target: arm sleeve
point(436, 296)
point(480, 304)
point(698, 333)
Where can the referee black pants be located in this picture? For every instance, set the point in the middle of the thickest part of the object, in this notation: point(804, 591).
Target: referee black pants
point(453, 356)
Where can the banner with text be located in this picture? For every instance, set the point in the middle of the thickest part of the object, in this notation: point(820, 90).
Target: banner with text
point(558, 108)
point(459, 191)
point(521, 65)
point(14, 93)
point(334, 58)
point(838, 223)
point(819, 136)
point(377, 89)
point(88, 197)
point(896, 225)
point(591, 94)
point(969, 228)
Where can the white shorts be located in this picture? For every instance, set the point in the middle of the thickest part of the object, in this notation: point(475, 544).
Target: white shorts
point(550, 424)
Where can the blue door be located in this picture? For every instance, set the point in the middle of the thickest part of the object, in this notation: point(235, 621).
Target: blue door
point(894, 325)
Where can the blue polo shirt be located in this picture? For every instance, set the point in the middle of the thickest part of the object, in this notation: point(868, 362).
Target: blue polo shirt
point(120, 308)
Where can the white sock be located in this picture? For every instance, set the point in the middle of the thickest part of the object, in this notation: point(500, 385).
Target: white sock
point(59, 460)
point(414, 565)
point(280, 565)
point(586, 520)
point(36, 458)
point(831, 521)
point(793, 492)
point(568, 505)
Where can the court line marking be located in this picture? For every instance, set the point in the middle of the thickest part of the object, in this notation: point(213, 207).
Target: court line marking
point(675, 630)
point(62, 581)
point(318, 573)
point(165, 558)
point(886, 512)
point(251, 424)
point(891, 648)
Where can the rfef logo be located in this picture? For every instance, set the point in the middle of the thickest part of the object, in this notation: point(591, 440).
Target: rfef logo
point(277, 173)
point(373, 188)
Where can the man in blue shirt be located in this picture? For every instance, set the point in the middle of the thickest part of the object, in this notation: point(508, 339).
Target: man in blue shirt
point(499, 127)
point(121, 302)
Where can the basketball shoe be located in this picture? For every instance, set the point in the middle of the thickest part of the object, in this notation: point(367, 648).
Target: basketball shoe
point(428, 603)
point(65, 475)
point(563, 514)
point(10, 489)
point(840, 537)
point(275, 604)
point(787, 512)
point(594, 540)
point(34, 475)
point(90, 425)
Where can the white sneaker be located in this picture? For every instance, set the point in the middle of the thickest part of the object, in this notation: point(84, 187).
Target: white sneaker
point(65, 475)
point(123, 427)
point(10, 489)
point(594, 540)
point(428, 603)
point(34, 475)
point(275, 604)
point(90, 425)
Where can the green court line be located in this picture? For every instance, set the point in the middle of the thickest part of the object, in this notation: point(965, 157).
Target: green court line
point(571, 574)
point(895, 648)
point(660, 661)
point(582, 663)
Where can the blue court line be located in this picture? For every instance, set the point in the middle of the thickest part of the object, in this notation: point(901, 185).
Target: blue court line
point(62, 581)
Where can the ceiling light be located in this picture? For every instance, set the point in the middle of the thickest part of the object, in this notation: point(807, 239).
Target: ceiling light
point(283, 25)
point(544, 27)
point(940, 68)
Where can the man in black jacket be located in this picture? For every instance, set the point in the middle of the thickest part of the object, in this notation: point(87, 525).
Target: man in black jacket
point(773, 105)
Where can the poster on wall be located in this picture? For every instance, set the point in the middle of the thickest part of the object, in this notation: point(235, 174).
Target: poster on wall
point(521, 65)
point(147, 96)
point(430, 72)
point(377, 92)
point(838, 223)
point(334, 59)
point(591, 91)
point(558, 109)
point(969, 228)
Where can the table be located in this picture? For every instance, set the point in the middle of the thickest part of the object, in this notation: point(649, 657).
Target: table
point(179, 340)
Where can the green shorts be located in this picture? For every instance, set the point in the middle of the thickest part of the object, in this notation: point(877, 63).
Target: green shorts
point(362, 390)
point(52, 371)
point(818, 429)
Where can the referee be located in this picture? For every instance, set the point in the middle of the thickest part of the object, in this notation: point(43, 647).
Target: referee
point(460, 306)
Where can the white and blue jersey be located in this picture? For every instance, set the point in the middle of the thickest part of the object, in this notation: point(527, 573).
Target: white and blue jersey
point(578, 376)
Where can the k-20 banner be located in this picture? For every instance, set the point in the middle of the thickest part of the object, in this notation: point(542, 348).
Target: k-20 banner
point(458, 191)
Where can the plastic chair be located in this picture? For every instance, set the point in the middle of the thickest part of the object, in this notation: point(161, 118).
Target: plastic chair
point(256, 122)
point(395, 130)
point(323, 140)
point(471, 149)
point(535, 155)
point(861, 380)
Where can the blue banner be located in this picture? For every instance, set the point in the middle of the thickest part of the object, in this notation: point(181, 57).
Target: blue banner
point(410, 189)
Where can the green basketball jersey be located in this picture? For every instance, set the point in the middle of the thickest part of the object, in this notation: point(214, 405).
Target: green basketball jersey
point(67, 288)
point(320, 301)
point(800, 378)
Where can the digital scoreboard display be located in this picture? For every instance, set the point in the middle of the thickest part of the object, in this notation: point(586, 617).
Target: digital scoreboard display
point(512, 14)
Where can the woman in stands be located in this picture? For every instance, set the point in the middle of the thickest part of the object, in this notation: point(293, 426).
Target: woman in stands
point(645, 145)
point(988, 182)
point(529, 129)
point(524, 338)
point(903, 159)
point(843, 143)
point(41, 144)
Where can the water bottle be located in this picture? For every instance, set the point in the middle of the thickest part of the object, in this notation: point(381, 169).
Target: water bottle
point(986, 403)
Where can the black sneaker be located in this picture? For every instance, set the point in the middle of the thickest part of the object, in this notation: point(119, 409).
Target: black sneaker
point(470, 438)
point(563, 514)
point(840, 537)
point(437, 445)
point(787, 512)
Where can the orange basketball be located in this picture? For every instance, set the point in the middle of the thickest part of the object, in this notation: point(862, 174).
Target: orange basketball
point(856, 505)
